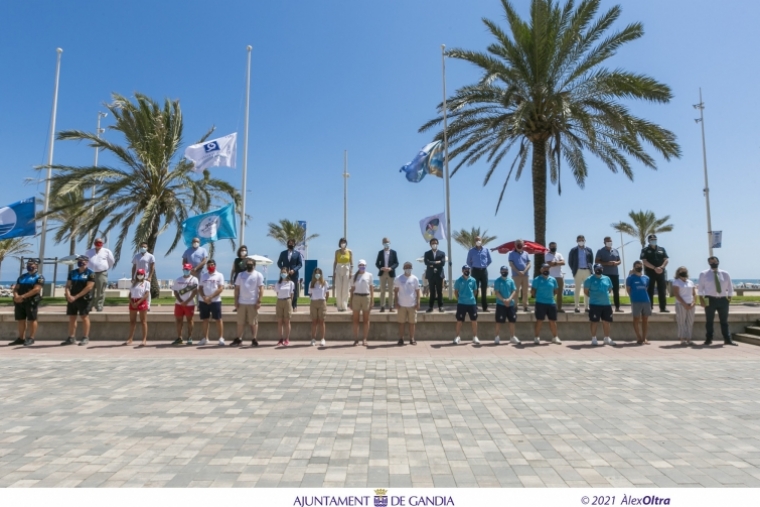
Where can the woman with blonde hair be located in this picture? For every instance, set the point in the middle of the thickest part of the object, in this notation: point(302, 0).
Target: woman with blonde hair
point(285, 289)
point(319, 291)
point(343, 266)
point(362, 299)
point(686, 299)
point(138, 302)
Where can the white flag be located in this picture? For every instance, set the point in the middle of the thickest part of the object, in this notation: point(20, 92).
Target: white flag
point(221, 152)
point(433, 227)
point(717, 239)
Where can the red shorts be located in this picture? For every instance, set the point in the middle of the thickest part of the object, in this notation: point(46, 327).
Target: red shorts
point(183, 311)
point(140, 308)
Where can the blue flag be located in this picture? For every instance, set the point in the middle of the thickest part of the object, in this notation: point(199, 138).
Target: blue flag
point(428, 160)
point(17, 219)
point(211, 226)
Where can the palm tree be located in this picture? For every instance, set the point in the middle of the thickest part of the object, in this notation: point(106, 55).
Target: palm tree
point(545, 92)
point(467, 238)
point(68, 217)
point(643, 224)
point(285, 230)
point(13, 247)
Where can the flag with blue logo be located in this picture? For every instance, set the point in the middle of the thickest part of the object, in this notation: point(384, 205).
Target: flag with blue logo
point(428, 161)
point(211, 226)
point(433, 227)
point(17, 219)
point(220, 152)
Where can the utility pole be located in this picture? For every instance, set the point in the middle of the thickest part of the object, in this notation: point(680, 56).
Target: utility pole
point(98, 131)
point(701, 120)
point(345, 194)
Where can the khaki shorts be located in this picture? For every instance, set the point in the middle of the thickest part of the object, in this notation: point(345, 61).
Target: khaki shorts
point(247, 314)
point(407, 314)
point(318, 309)
point(360, 303)
point(284, 309)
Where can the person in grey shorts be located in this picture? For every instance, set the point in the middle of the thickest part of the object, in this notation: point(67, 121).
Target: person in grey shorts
point(641, 306)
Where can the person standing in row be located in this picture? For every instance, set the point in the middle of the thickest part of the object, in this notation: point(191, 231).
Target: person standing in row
point(343, 268)
point(555, 260)
point(27, 294)
point(101, 260)
point(239, 264)
point(479, 258)
point(292, 260)
point(655, 260)
point(597, 288)
point(636, 285)
point(407, 292)
point(249, 289)
point(138, 303)
point(210, 304)
point(285, 288)
point(506, 310)
point(609, 259)
point(79, 287)
point(580, 260)
point(686, 300)
point(362, 300)
point(715, 285)
point(196, 256)
point(544, 289)
point(319, 292)
point(387, 262)
point(435, 262)
point(147, 262)
point(519, 261)
point(185, 290)
point(466, 290)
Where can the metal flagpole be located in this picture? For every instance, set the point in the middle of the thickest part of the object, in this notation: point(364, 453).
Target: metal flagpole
point(98, 131)
point(446, 167)
point(50, 161)
point(345, 194)
point(245, 144)
point(701, 119)
point(622, 250)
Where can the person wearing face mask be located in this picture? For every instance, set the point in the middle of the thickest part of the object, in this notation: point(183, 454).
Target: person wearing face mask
point(555, 260)
point(519, 261)
point(27, 293)
point(466, 290)
point(319, 292)
point(505, 291)
point(146, 261)
point(609, 259)
point(196, 256)
point(343, 268)
point(284, 289)
point(249, 289)
point(387, 262)
point(185, 290)
point(637, 287)
point(716, 287)
point(580, 260)
point(138, 303)
point(101, 260)
point(239, 264)
point(292, 260)
point(544, 289)
point(435, 262)
point(655, 259)
point(210, 304)
point(407, 292)
point(686, 300)
point(79, 287)
point(362, 299)
point(597, 288)
point(479, 258)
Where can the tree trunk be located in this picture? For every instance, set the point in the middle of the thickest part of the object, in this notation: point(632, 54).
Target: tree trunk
point(538, 171)
point(72, 249)
point(155, 290)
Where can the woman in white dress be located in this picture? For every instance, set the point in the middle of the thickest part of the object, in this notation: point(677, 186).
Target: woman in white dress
point(686, 299)
point(138, 303)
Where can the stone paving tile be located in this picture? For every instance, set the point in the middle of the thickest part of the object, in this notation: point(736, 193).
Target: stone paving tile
point(571, 420)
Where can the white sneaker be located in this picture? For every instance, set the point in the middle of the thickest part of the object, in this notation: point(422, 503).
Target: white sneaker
point(515, 340)
point(322, 343)
point(496, 340)
point(557, 340)
point(203, 342)
point(594, 342)
point(537, 340)
point(456, 340)
point(475, 340)
point(608, 341)
point(221, 342)
point(313, 343)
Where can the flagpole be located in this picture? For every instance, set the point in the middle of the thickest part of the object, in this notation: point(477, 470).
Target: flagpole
point(446, 168)
point(98, 131)
point(701, 121)
point(51, 141)
point(245, 144)
point(345, 194)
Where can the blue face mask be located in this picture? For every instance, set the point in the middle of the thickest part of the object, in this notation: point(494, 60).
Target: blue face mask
point(283, 275)
point(317, 276)
point(186, 272)
point(143, 249)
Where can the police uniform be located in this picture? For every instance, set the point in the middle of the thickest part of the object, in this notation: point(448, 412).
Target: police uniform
point(27, 309)
point(656, 257)
point(79, 281)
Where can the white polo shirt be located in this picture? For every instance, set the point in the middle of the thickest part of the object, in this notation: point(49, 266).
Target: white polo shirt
point(407, 290)
point(363, 283)
point(144, 261)
point(100, 261)
point(185, 287)
point(555, 271)
point(249, 284)
point(318, 292)
point(284, 289)
point(138, 290)
point(212, 282)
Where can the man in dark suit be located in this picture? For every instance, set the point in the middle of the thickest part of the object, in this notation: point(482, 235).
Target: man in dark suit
point(386, 262)
point(292, 260)
point(435, 261)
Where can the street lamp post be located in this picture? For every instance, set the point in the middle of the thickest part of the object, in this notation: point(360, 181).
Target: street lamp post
point(701, 120)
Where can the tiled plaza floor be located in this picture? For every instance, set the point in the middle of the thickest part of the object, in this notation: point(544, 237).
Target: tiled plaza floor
point(432, 415)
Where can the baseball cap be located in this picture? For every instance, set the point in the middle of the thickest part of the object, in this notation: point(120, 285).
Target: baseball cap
point(140, 271)
point(504, 268)
point(83, 258)
point(187, 266)
point(597, 266)
point(465, 267)
point(362, 262)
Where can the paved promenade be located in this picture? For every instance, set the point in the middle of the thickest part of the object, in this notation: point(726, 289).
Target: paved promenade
point(430, 415)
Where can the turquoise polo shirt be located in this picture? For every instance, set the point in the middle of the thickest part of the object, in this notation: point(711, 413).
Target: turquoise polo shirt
point(545, 288)
point(504, 287)
point(638, 285)
point(466, 288)
point(598, 290)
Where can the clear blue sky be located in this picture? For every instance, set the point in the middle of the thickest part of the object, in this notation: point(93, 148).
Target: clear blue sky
point(363, 76)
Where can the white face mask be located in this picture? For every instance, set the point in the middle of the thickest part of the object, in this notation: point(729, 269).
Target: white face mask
point(140, 277)
point(196, 245)
point(407, 272)
point(478, 243)
point(608, 244)
point(581, 244)
point(434, 247)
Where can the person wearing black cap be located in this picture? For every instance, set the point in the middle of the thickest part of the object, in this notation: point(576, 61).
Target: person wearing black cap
point(26, 296)
point(506, 310)
point(465, 290)
point(544, 289)
point(655, 260)
point(79, 287)
point(597, 288)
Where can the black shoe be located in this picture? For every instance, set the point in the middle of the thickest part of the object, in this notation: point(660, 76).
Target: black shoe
point(20, 341)
point(619, 310)
point(664, 310)
point(382, 309)
point(441, 310)
point(400, 341)
point(577, 310)
point(178, 341)
point(587, 310)
point(236, 341)
point(69, 341)
point(730, 342)
point(429, 310)
point(254, 343)
point(486, 310)
point(413, 342)
point(708, 342)
point(30, 341)
point(84, 341)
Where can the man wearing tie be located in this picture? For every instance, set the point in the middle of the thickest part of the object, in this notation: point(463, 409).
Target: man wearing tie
point(387, 262)
point(715, 286)
point(292, 260)
point(435, 261)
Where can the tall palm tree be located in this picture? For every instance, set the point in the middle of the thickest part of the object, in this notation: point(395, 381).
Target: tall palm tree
point(643, 223)
point(545, 92)
point(467, 238)
point(13, 247)
point(285, 230)
point(68, 216)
